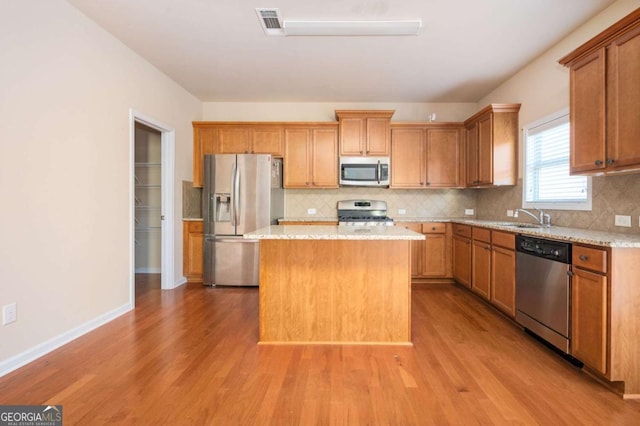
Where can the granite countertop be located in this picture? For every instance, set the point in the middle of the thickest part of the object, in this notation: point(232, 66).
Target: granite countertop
point(191, 219)
point(320, 232)
point(573, 235)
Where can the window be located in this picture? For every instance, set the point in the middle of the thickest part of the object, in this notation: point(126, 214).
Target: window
point(547, 183)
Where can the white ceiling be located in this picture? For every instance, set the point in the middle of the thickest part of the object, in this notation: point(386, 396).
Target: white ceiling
point(217, 50)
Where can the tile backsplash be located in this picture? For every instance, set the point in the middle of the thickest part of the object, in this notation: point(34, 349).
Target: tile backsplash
point(612, 195)
point(416, 202)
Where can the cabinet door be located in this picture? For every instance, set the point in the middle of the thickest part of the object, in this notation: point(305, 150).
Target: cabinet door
point(587, 120)
point(234, 140)
point(481, 268)
point(192, 247)
point(623, 131)
point(324, 158)
point(485, 150)
point(297, 156)
point(589, 319)
point(434, 255)
point(462, 260)
point(472, 155)
point(267, 141)
point(378, 135)
point(407, 158)
point(352, 132)
point(503, 280)
point(443, 158)
point(204, 142)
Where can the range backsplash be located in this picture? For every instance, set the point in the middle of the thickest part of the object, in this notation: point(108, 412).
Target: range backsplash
point(416, 202)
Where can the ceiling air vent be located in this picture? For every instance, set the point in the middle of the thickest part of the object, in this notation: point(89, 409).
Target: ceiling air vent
point(270, 20)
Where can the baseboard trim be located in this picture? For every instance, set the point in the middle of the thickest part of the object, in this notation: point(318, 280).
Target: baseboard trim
point(22, 359)
point(181, 281)
point(148, 270)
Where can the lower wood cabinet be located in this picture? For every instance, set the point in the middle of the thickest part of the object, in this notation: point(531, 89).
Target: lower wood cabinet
point(589, 318)
point(503, 272)
point(484, 260)
point(431, 258)
point(192, 244)
point(461, 243)
point(481, 262)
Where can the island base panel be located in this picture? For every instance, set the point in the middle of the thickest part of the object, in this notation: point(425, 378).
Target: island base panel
point(335, 291)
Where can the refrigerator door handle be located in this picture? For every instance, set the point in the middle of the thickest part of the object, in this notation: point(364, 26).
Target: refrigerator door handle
point(236, 195)
point(233, 194)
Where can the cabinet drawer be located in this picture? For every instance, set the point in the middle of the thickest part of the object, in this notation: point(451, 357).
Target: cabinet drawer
point(503, 239)
point(195, 226)
point(481, 234)
point(590, 258)
point(462, 230)
point(434, 228)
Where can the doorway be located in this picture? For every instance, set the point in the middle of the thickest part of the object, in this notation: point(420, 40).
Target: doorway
point(152, 151)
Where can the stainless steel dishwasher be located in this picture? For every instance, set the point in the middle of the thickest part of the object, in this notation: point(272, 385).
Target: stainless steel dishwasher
point(543, 289)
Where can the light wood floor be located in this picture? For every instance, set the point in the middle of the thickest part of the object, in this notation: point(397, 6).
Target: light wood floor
point(189, 356)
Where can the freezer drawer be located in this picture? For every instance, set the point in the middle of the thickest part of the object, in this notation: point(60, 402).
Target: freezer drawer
point(231, 261)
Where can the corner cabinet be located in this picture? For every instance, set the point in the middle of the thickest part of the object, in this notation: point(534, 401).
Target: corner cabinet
point(431, 258)
point(426, 155)
point(492, 146)
point(605, 100)
point(364, 133)
point(311, 156)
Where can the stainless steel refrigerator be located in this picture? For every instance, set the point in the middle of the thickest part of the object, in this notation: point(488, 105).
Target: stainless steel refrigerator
point(242, 193)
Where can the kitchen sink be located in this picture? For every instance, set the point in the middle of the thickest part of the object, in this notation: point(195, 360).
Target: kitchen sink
point(520, 225)
point(525, 225)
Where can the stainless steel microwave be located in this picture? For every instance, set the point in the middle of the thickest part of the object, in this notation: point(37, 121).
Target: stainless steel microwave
point(364, 171)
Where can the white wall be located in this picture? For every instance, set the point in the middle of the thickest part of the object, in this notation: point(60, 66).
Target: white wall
point(293, 111)
point(67, 87)
point(542, 87)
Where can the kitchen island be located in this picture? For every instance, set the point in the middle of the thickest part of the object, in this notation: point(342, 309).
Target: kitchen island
point(335, 285)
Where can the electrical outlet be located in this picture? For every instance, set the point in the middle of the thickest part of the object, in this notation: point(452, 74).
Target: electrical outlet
point(468, 212)
point(402, 211)
point(623, 221)
point(509, 213)
point(9, 313)
point(312, 211)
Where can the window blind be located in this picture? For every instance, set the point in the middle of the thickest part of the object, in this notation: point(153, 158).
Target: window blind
point(547, 178)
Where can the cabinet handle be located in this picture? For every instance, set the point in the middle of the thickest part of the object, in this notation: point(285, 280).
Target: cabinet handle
point(598, 162)
point(361, 152)
point(488, 248)
point(570, 273)
point(421, 183)
point(428, 183)
point(610, 161)
point(433, 228)
point(583, 257)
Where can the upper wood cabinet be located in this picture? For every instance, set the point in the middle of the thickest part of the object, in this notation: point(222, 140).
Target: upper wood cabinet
point(492, 146)
point(605, 100)
point(364, 133)
point(408, 157)
point(234, 138)
point(311, 157)
point(426, 155)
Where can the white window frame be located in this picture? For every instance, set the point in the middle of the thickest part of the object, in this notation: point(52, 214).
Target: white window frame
point(582, 205)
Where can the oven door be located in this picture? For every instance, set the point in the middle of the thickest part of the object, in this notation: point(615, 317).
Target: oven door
point(364, 171)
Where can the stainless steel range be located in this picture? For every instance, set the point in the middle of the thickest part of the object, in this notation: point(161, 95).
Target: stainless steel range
point(363, 213)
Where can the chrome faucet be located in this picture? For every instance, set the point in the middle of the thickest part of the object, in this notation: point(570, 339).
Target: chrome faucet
point(543, 219)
